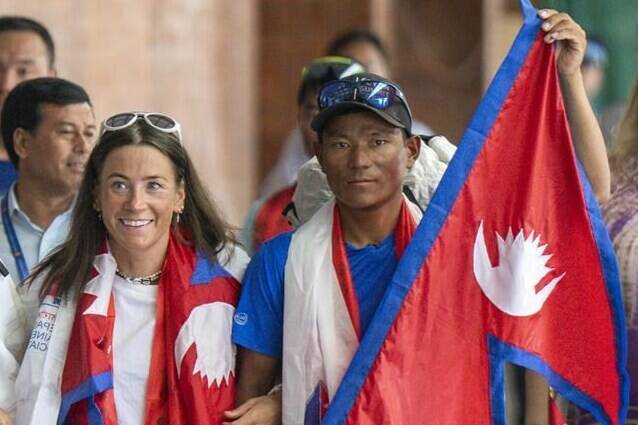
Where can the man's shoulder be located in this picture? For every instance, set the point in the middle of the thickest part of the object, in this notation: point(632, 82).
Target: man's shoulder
point(274, 249)
point(267, 266)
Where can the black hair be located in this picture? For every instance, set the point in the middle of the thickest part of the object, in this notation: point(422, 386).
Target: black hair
point(20, 23)
point(357, 35)
point(322, 71)
point(21, 108)
point(311, 85)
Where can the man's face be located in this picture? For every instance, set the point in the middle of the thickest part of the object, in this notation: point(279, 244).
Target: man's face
point(307, 111)
point(57, 150)
point(23, 56)
point(367, 55)
point(365, 160)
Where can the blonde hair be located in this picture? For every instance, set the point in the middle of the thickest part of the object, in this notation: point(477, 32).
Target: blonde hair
point(627, 139)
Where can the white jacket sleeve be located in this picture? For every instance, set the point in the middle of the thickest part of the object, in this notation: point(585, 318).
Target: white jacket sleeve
point(12, 340)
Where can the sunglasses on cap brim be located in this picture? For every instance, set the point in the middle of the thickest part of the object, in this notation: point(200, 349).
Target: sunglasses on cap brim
point(376, 93)
point(158, 121)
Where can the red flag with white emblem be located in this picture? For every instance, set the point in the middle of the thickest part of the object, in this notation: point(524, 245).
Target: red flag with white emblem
point(511, 263)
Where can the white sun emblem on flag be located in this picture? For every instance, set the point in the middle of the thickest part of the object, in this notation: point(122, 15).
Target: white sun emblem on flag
point(208, 327)
point(522, 264)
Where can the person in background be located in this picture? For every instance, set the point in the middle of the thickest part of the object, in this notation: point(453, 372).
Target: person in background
point(594, 66)
point(621, 217)
point(49, 129)
point(363, 46)
point(367, 48)
point(26, 51)
point(143, 290)
point(265, 218)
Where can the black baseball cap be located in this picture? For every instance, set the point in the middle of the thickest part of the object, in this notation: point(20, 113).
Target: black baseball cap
point(363, 92)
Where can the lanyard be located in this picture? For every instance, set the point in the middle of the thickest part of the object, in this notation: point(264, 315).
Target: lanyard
point(16, 250)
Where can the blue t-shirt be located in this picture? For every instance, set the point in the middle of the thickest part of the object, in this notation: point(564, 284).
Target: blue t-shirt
point(258, 324)
point(8, 175)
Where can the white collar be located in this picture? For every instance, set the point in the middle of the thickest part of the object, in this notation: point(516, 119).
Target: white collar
point(14, 208)
point(12, 202)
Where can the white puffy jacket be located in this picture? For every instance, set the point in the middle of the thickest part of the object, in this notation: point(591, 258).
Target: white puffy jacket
point(12, 340)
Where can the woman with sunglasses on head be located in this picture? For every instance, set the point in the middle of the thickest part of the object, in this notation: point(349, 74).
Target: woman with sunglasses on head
point(135, 320)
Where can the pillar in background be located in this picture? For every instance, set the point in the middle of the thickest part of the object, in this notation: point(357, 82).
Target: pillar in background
point(503, 19)
point(292, 33)
point(437, 57)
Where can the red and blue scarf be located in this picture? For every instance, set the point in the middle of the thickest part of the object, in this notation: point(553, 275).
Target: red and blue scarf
point(322, 328)
point(189, 283)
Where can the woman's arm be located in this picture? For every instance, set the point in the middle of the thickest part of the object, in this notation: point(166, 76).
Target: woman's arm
point(4, 418)
point(12, 340)
point(588, 139)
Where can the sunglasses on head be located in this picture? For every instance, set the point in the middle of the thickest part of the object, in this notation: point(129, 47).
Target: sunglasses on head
point(376, 93)
point(158, 121)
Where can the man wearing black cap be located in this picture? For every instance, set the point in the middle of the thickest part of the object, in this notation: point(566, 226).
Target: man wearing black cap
point(365, 150)
point(335, 268)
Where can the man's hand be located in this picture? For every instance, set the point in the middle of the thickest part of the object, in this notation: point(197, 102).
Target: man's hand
point(264, 410)
point(6, 420)
point(571, 38)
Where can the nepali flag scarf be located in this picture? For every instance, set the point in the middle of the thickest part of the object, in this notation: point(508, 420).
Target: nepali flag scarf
point(322, 325)
point(191, 378)
point(511, 263)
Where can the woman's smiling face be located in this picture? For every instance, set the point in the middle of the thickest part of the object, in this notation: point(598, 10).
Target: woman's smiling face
point(137, 194)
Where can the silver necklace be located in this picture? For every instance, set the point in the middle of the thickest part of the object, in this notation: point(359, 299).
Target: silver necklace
point(151, 279)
